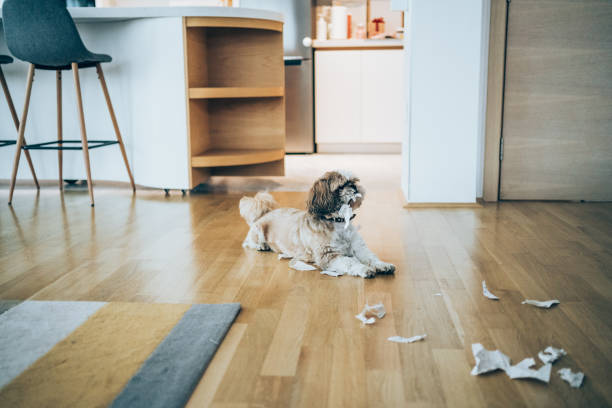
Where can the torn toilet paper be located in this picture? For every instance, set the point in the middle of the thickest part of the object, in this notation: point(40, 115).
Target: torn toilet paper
point(377, 310)
point(487, 361)
point(545, 304)
point(346, 212)
point(486, 292)
point(300, 266)
point(332, 273)
point(364, 320)
point(551, 354)
point(523, 370)
point(400, 339)
point(573, 379)
point(284, 256)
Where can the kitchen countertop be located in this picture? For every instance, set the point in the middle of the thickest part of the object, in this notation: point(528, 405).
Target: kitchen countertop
point(102, 14)
point(388, 43)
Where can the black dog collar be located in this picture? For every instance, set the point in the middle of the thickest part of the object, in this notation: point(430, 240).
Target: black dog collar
point(338, 219)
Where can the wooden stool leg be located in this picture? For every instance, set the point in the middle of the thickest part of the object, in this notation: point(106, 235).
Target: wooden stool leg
point(115, 125)
point(11, 106)
point(77, 85)
point(20, 142)
point(58, 82)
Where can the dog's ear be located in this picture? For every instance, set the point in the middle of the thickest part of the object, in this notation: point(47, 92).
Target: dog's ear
point(336, 179)
point(321, 198)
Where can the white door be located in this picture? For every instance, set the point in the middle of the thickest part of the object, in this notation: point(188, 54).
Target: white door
point(338, 96)
point(382, 96)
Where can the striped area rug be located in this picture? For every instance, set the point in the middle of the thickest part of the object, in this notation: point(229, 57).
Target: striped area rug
point(95, 354)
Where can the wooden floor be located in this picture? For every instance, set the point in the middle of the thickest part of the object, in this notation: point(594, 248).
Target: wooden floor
point(296, 341)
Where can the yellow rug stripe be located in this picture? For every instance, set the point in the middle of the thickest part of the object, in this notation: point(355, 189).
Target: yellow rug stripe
point(93, 364)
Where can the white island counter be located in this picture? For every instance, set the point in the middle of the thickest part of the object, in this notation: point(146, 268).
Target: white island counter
point(197, 91)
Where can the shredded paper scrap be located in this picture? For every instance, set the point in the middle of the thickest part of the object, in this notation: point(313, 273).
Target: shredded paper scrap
point(300, 266)
point(523, 370)
point(487, 361)
point(545, 304)
point(346, 212)
point(284, 256)
point(377, 310)
point(573, 379)
point(332, 273)
point(400, 339)
point(551, 354)
point(485, 291)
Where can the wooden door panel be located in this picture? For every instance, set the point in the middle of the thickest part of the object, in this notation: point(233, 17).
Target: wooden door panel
point(558, 102)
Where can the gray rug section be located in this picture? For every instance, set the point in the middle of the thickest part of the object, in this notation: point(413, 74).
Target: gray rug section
point(170, 374)
point(29, 330)
point(8, 304)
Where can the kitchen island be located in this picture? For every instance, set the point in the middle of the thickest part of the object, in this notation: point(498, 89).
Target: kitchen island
point(198, 91)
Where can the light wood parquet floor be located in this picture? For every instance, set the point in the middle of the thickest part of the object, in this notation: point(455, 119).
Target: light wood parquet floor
point(296, 341)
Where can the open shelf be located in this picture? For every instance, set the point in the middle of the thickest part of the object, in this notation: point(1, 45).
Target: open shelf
point(235, 92)
point(235, 97)
point(231, 157)
point(225, 57)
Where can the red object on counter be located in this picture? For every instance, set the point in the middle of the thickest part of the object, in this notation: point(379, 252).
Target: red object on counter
point(348, 26)
point(376, 27)
point(378, 21)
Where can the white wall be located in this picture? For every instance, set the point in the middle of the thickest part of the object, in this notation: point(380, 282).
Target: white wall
point(446, 45)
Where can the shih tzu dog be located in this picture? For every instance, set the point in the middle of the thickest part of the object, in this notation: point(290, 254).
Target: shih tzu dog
point(322, 235)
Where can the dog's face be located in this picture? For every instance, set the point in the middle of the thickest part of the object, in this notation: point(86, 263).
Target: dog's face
point(333, 190)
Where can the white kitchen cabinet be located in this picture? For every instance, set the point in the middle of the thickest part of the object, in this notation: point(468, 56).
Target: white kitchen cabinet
point(382, 96)
point(338, 96)
point(359, 100)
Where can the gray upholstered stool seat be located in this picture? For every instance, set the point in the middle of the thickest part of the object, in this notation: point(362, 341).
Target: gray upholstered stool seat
point(85, 62)
point(5, 59)
point(43, 33)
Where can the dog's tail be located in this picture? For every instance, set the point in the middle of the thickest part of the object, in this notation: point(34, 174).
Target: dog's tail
point(253, 208)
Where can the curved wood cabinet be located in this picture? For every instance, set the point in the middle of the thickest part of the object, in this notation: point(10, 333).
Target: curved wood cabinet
point(236, 110)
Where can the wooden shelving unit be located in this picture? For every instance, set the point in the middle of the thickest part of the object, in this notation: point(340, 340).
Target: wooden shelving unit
point(235, 157)
point(236, 92)
point(235, 87)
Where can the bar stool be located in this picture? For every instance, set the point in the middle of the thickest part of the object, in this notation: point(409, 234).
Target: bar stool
point(42, 33)
point(5, 59)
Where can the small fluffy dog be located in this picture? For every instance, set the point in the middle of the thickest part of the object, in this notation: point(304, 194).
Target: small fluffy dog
point(320, 234)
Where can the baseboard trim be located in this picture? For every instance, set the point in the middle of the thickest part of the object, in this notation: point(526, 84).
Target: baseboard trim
point(375, 148)
point(443, 205)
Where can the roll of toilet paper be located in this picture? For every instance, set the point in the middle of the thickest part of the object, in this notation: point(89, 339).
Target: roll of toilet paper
point(338, 29)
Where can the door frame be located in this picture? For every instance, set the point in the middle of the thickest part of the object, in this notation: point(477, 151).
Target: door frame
point(498, 32)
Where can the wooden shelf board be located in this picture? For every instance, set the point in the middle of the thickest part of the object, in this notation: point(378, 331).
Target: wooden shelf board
point(232, 157)
point(234, 23)
point(235, 92)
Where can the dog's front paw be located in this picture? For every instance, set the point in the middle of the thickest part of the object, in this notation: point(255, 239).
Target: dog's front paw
point(256, 246)
point(384, 268)
point(363, 271)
